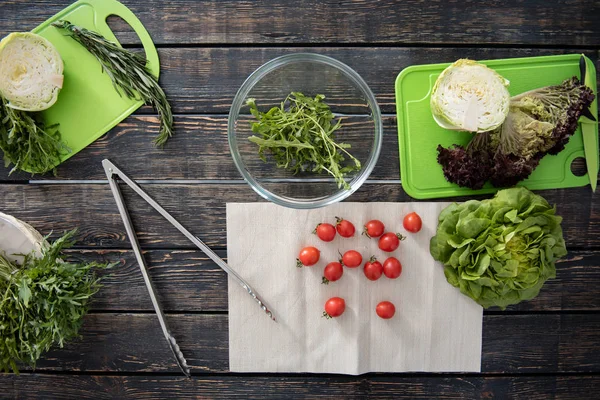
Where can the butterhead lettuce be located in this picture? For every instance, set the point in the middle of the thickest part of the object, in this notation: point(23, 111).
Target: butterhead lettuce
point(499, 251)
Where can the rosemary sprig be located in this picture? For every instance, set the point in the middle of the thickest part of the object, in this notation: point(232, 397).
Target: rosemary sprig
point(128, 73)
point(27, 142)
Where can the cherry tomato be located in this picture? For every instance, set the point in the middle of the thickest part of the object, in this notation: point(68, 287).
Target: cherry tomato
point(392, 268)
point(344, 227)
point(351, 259)
point(390, 241)
point(374, 228)
point(333, 271)
point(334, 307)
point(412, 222)
point(308, 256)
point(325, 232)
point(373, 269)
point(385, 310)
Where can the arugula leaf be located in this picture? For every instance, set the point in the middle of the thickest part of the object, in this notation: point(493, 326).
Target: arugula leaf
point(42, 302)
point(27, 142)
point(299, 135)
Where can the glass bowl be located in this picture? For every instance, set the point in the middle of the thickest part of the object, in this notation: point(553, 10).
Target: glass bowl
point(350, 100)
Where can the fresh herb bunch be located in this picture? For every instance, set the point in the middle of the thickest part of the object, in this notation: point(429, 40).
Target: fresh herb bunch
point(128, 73)
point(27, 142)
point(43, 302)
point(299, 135)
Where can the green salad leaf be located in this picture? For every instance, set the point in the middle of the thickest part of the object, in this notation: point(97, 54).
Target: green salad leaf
point(42, 302)
point(499, 251)
point(299, 136)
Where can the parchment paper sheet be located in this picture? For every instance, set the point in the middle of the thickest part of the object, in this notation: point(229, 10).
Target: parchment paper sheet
point(435, 328)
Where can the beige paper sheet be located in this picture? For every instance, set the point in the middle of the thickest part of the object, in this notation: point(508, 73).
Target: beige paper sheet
point(435, 328)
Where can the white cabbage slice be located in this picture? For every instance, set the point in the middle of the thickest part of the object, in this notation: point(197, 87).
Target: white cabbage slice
point(31, 71)
point(468, 96)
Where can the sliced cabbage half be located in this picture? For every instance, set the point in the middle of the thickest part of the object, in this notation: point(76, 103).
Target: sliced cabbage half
point(31, 71)
point(468, 96)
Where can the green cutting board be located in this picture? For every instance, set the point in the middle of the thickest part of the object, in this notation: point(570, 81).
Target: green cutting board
point(88, 105)
point(419, 135)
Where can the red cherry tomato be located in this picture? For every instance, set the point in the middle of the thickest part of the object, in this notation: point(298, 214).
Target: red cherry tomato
point(325, 232)
point(308, 256)
point(373, 269)
point(412, 222)
point(351, 259)
point(344, 227)
point(392, 268)
point(334, 307)
point(333, 272)
point(385, 310)
point(390, 241)
point(374, 228)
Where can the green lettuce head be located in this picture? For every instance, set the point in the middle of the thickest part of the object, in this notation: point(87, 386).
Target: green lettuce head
point(499, 251)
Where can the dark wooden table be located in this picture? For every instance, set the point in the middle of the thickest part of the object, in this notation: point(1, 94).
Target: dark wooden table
point(546, 348)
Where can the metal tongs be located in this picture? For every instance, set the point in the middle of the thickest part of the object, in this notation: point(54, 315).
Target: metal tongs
point(112, 173)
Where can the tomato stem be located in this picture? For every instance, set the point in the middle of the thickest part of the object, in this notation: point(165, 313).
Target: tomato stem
point(299, 263)
point(315, 230)
point(327, 316)
point(325, 281)
point(365, 232)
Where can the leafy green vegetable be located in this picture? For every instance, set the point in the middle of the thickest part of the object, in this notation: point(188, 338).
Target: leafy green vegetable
point(128, 73)
point(499, 251)
point(42, 302)
point(539, 122)
point(27, 142)
point(299, 135)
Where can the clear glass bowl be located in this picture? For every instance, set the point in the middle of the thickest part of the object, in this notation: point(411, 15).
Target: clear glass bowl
point(350, 99)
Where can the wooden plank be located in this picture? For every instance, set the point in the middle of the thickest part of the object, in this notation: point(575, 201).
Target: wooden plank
point(187, 280)
point(200, 150)
point(416, 21)
point(205, 80)
point(512, 344)
point(201, 207)
point(97, 387)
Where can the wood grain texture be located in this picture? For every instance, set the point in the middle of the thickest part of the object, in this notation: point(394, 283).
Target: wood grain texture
point(98, 387)
point(201, 207)
point(396, 22)
point(205, 80)
point(512, 344)
point(186, 280)
point(199, 151)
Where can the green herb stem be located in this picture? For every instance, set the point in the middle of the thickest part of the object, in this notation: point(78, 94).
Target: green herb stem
point(300, 137)
point(43, 302)
point(128, 73)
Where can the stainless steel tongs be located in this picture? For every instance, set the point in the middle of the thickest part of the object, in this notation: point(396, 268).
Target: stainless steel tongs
point(112, 173)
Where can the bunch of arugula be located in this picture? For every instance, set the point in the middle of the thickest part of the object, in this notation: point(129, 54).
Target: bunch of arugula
point(42, 302)
point(27, 142)
point(299, 135)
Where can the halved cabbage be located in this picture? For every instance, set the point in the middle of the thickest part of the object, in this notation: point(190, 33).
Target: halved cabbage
point(31, 71)
point(468, 96)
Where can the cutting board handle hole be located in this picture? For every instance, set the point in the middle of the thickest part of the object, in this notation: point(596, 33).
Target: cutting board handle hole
point(578, 167)
point(123, 31)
